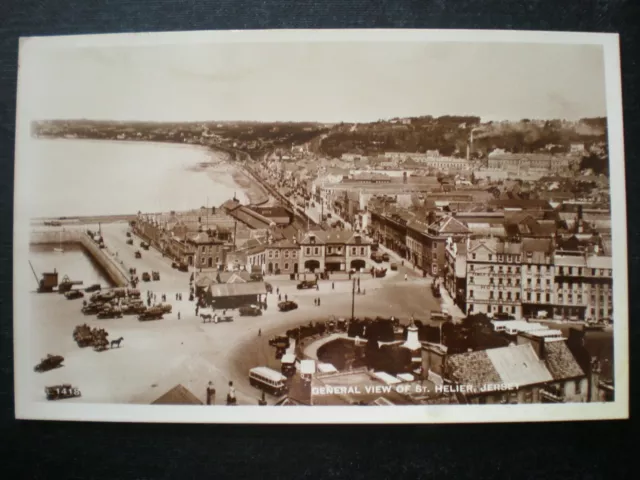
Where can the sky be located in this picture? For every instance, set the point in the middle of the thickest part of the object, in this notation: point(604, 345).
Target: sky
point(324, 81)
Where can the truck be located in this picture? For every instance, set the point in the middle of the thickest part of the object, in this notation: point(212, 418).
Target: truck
point(153, 313)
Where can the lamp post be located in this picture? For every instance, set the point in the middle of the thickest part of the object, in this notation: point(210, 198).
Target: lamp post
point(353, 299)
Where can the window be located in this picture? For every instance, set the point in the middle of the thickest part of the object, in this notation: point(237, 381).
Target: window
point(517, 269)
point(362, 251)
point(578, 387)
point(517, 282)
point(473, 255)
point(500, 281)
point(491, 269)
point(529, 296)
point(308, 251)
point(471, 280)
point(537, 297)
point(271, 253)
point(570, 270)
point(470, 293)
point(500, 269)
point(500, 259)
point(316, 250)
point(293, 254)
point(286, 254)
point(277, 254)
point(217, 259)
point(509, 296)
point(471, 268)
point(490, 295)
point(353, 250)
point(203, 249)
point(528, 282)
point(499, 295)
point(548, 281)
point(508, 269)
point(579, 271)
point(490, 257)
point(286, 266)
point(548, 298)
point(277, 266)
point(517, 295)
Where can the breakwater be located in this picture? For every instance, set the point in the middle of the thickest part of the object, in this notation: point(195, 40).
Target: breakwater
point(112, 269)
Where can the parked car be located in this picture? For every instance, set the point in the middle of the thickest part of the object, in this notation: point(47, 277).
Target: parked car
point(146, 277)
point(128, 234)
point(393, 266)
point(250, 311)
point(385, 257)
point(155, 276)
point(287, 305)
point(93, 288)
point(306, 284)
point(130, 241)
point(269, 287)
point(73, 294)
point(110, 313)
point(138, 254)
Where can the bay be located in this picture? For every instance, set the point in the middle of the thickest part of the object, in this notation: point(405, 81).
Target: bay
point(72, 177)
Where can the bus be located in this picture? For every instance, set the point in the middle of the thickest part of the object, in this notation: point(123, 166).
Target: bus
point(269, 380)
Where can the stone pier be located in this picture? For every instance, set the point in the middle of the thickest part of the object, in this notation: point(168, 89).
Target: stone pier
point(114, 271)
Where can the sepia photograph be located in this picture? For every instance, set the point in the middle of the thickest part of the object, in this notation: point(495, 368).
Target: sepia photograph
point(389, 226)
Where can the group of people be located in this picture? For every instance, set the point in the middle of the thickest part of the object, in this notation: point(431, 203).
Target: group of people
point(231, 396)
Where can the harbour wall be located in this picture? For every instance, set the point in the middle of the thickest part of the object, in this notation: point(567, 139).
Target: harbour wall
point(112, 269)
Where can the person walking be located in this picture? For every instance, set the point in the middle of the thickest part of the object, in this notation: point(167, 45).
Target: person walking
point(286, 298)
point(211, 394)
point(231, 396)
point(178, 315)
point(333, 285)
point(263, 400)
point(318, 301)
point(259, 332)
point(405, 277)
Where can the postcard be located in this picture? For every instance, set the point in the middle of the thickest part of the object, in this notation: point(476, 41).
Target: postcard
point(336, 226)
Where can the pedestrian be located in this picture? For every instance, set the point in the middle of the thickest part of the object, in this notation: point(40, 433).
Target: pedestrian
point(231, 396)
point(211, 394)
point(259, 332)
point(263, 401)
point(405, 277)
point(278, 291)
point(197, 309)
point(286, 298)
point(279, 297)
point(317, 287)
point(178, 315)
point(358, 282)
point(333, 286)
point(318, 301)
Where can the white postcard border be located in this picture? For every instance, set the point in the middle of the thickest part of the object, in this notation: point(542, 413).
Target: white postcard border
point(618, 409)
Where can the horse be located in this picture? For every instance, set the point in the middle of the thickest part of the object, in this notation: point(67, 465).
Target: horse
point(205, 316)
point(116, 342)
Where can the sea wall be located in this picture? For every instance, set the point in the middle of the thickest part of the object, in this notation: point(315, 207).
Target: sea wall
point(113, 270)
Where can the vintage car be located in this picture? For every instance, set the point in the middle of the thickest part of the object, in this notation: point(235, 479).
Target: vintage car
point(73, 294)
point(175, 265)
point(287, 305)
point(93, 288)
point(146, 277)
point(133, 309)
point(130, 241)
point(306, 284)
point(279, 341)
point(269, 287)
point(385, 257)
point(376, 257)
point(393, 266)
point(92, 308)
point(128, 234)
point(138, 254)
point(49, 363)
point(153, 313)
point(250, 311)
point(155, 276)
point(435, 291)
point(144, 245)
point(110, 313)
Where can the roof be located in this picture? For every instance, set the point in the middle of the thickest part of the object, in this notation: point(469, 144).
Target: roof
point(561, 362)
point(178, 395)
point(516, 364)
point(238, 289)
point(520, 203)
point(230, 205)
point(233, 277)
point(449, 225)
point(496, 246)
point(204, 281)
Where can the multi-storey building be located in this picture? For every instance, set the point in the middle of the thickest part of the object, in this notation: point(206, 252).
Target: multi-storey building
point(583, 286)
point(538, 286)
point(280, 257)
point(426, 241)
point(455, 272)
point(494, 277)
point(333, 250)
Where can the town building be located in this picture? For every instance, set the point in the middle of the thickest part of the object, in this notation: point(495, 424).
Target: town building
point(521, 163)
point(333, 250)
point(455, 272)
point(538, 278)
point(494, 277)
point(535, 370)
point(584, 287)
point(426, 241)
point(279, 257)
